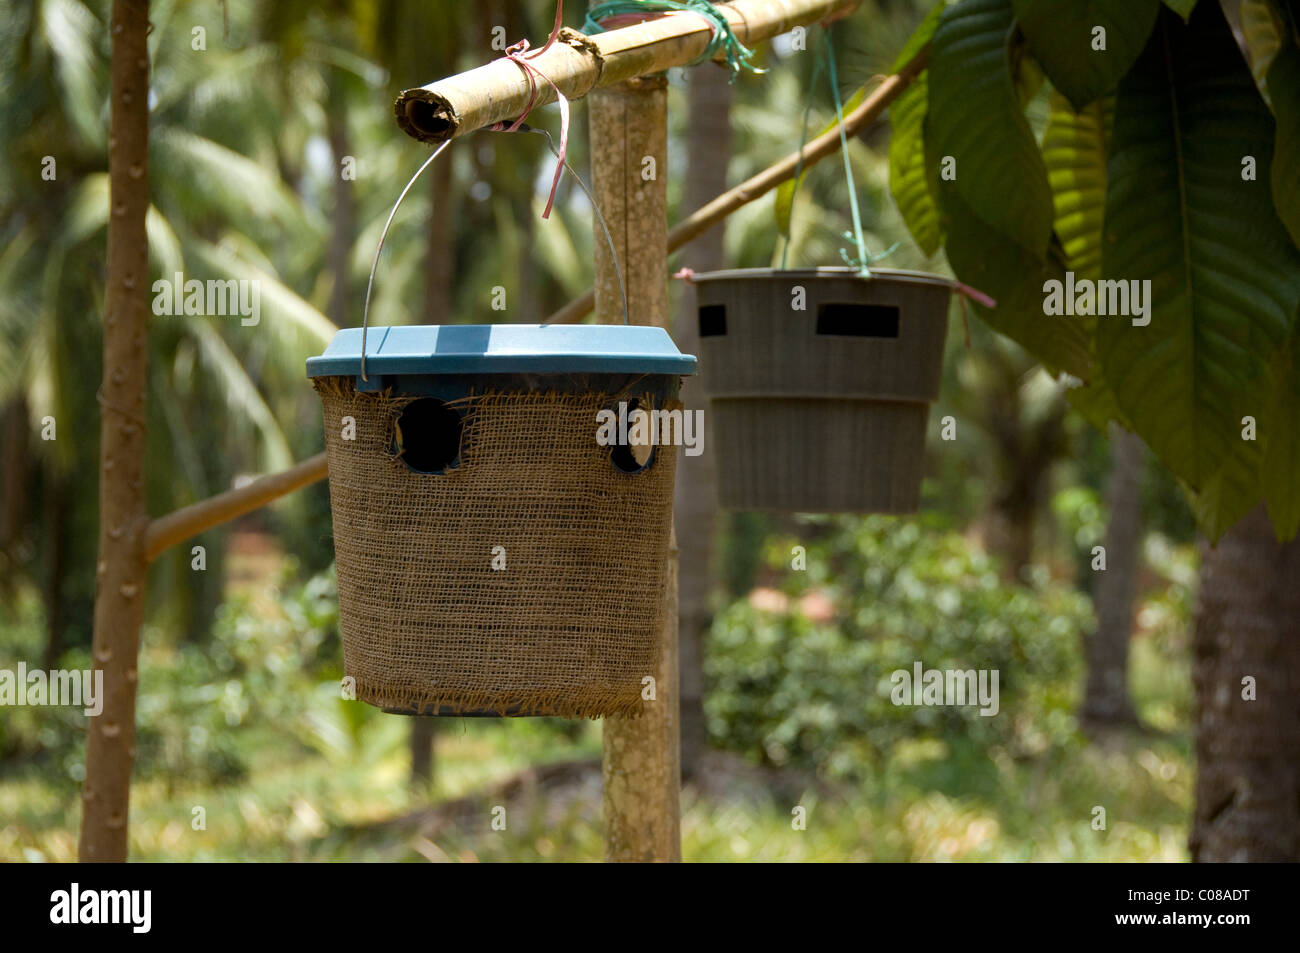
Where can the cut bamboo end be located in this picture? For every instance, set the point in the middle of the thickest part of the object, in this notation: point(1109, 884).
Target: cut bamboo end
point(501, 91)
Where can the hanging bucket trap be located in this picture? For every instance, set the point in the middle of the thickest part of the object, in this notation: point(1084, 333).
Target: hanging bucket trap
point(493, 557)
point(819, 383)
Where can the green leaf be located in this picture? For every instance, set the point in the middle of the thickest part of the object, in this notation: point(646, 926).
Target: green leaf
point(72, 31)
point(1026, 75)
point(985, 259)
point(1061, 34)
point(908, 182)
point(1229, 494)
point(1284, 86)
point(1225, 277)
point(923, 34)
point(1074, 151)
point(1280, 435)
point(975, 120)
point(1182, 7)
point(1262, 32)
point(1095, 403)
point(241, 393)
point(281, 307)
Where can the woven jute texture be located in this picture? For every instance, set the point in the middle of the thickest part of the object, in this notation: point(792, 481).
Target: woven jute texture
point(570, 625)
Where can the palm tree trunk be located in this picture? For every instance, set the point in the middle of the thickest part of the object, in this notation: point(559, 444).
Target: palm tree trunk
point(440, 268)
point(345, 210)
point(1247, 679)
point(1106, 697)
point(56, 523)
point(708, 144)
point(120, 582)
point(13, 474)
point(423, 737)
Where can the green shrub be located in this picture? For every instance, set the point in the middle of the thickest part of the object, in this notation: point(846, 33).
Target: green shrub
point(786, 689)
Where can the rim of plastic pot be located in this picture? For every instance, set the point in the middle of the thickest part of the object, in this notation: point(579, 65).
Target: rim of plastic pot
point(893, 275)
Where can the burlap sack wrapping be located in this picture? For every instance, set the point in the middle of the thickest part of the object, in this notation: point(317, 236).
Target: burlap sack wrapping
point(569, 627)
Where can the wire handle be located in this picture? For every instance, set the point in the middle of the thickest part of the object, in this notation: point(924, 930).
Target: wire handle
point(521, 127)
point(365, 315)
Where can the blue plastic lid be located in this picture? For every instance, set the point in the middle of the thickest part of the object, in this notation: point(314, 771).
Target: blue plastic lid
point(503, 349)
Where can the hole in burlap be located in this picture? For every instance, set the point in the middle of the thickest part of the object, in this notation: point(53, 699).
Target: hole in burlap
point(426, 435)
point(567, 625)
point(630, 457)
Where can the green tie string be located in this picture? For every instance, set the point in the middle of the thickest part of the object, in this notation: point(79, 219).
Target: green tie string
point(737, 55)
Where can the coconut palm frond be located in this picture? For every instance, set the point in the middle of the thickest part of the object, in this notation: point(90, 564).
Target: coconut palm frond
point(241, 393)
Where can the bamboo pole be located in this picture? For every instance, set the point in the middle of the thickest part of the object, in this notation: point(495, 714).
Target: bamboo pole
point(577, 64)
point(706, 216)
point(189, 521)
point(642, 762)
point(122, 568)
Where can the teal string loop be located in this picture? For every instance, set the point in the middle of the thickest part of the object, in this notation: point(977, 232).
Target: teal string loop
point(862, 259)
point(737, 55)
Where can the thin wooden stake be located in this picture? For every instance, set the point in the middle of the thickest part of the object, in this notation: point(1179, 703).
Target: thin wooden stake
point(629, 146)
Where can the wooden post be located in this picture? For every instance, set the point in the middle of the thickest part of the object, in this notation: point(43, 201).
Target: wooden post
point(629, 146)
point(120, 575)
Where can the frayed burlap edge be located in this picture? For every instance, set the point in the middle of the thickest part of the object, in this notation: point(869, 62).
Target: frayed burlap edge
point(546, 704)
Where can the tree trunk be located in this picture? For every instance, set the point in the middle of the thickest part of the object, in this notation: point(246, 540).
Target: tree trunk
point(1247, 679)
point(344, 222)
point(440, 265)
point(15, 423)
point(423, 733)
point(708, 145)
point(56, 523)
point(1026, 454)
point(121, 571)
point(1106, 697)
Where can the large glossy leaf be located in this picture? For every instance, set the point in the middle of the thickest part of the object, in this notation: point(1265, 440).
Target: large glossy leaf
point(1232, 491)
point(1225, 277)
point(908, 182)
point(1280, 427)
point(1261, 33)
point(975, 119)
point(1074, 151)
point(1284, 87)
point(923, 34)
point(1182, 7)
point(1061, 36)
point(985, 259)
